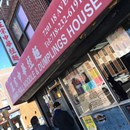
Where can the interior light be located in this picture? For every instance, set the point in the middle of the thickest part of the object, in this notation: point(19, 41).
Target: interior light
point(7, 2)
point(58, 94)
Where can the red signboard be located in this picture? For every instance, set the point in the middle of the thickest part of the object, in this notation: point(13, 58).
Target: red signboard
point(8, 43)
point(63, 22)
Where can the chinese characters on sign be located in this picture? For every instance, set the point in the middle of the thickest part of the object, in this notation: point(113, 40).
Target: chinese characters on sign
point(63, 22)
point(8, 43)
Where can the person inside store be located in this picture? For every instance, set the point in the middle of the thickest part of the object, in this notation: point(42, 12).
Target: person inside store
point(62, 119)
point(118, 88)
point(35, 124)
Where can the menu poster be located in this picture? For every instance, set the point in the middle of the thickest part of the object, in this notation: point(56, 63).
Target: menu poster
point(94, 100)
point(84, 104)
point(97, 99)
point(98, 80)
point(86, 87)
point(93, 73)
point(89, 123)
point(96, 76)
point(91, 84)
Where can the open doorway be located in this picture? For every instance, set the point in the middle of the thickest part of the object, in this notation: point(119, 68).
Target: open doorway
point(57, 94)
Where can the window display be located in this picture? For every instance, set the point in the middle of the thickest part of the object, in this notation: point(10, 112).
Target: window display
point(120, 42)
point(87, 89)
point(117, 63)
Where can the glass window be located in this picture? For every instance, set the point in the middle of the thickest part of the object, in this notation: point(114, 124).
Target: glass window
point(22, 18)
point(113, 66)
point(21, 27)
point(23, 42)
point(87, 88)
point(117, 67)
point(29, 31)
point(16, 29)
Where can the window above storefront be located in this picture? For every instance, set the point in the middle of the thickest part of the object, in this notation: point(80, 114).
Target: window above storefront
point(21, 27)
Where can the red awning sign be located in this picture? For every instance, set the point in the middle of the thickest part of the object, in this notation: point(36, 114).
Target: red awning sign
point(63, 22)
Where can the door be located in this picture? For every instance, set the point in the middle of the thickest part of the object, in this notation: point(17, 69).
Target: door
point(58, 94)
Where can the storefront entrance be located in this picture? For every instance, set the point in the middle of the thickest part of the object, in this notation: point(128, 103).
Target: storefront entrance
point(87, 89)
point(59, 95)
point(51, 95)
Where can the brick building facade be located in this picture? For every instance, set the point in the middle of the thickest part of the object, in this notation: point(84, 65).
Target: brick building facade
point(34, 10)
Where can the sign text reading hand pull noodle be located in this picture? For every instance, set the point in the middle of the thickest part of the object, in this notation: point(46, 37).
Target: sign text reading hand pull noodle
point(63, 22)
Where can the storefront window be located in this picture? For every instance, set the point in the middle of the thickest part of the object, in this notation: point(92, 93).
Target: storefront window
point(22, 18)
point(116, 64)
point(87, 88)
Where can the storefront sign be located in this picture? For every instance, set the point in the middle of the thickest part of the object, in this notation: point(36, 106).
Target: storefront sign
point(14, 114)
point(63, 22)
point(8, 43)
